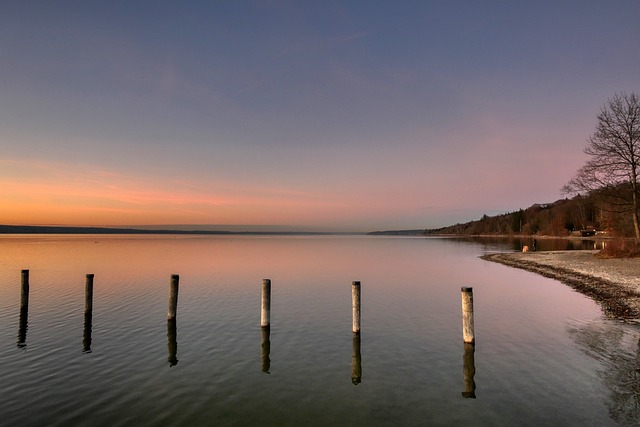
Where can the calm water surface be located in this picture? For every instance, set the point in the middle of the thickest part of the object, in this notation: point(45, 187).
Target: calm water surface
point(545, 355)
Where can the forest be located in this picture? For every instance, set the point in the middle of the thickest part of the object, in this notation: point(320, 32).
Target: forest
point(580, 215)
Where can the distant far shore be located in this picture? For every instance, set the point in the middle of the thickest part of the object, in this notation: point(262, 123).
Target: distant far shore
point(37, 229)
point(255, 230)
point(613, 283)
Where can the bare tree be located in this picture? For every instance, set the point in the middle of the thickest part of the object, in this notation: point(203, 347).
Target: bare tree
point(611, 172)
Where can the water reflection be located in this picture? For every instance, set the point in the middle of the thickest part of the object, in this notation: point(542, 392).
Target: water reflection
point(172, 338)
point(86, 335)
point(24, 309)
point(22, 327)
point(492, 243)
point(265, 349)
point(617, 348)
point(469, 371)
point(356, 360)
point(409, 276)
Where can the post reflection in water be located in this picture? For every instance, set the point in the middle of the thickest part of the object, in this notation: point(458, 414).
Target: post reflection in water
point(86, 335)
point(172, 339)
point(22, 327)
point(469, 371)
point(88, 314)
point(24, 309)
point(356, 360)
point(265, 348)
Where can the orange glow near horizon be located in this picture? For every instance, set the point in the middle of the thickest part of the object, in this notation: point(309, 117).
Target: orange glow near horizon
point(40, 194)
point(76, 194)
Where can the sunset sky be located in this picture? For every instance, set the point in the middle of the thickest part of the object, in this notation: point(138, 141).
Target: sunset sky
point(330, 115)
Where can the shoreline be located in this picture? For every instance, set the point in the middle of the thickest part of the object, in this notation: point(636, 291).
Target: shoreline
point(613, 283)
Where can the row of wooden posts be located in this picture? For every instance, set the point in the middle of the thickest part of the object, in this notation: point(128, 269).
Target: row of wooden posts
point(265, 323)
point(468, 334)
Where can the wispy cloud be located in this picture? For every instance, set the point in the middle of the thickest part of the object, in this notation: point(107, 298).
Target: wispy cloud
point(352, 37)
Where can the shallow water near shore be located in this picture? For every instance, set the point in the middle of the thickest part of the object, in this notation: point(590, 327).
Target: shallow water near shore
point(545, 355)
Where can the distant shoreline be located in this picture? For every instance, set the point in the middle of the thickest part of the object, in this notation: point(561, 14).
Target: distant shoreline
point(37, 229)
point(612, 283)
point(53, 229)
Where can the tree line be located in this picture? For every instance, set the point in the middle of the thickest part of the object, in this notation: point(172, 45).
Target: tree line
point(577, 215)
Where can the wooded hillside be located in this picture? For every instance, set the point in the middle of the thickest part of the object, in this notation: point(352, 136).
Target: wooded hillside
point(560, 218)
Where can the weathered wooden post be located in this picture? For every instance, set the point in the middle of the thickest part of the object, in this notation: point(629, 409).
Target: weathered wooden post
point(355, 304)
point(88, 295)
point(24, 291)
point(467, 316)
point(173, 296)
point(265, 314)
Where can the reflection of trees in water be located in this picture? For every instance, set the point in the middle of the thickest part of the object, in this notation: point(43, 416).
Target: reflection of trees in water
point(499, 243)
point(618, 350)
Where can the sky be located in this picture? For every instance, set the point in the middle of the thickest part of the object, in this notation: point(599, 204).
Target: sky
point(325, 115)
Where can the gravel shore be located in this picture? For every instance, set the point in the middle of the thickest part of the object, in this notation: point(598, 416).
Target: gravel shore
point(613, 283)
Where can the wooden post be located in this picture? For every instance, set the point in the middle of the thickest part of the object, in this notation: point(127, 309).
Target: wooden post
point(24, 291)
point(173, 296)
point(88, 295)
point(265, 315)
point(355, 304)
point(467, 316)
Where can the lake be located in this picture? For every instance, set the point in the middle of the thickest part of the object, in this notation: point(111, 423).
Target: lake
point(544, 354)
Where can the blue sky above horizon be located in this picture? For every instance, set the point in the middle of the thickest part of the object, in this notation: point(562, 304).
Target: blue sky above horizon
point(336, 114)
